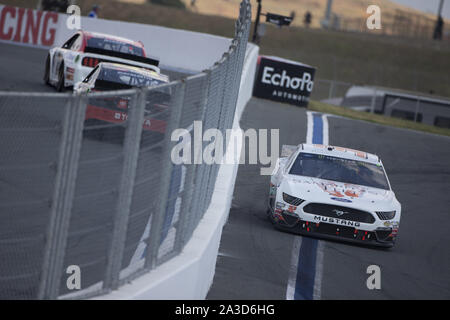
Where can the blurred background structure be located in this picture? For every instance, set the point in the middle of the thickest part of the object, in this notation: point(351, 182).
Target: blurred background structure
point(410, 52)
point(402, 55)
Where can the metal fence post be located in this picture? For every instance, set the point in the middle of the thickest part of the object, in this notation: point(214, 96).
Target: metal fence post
point(373, 102)
point(64, 190)
point(131, 154)
point(158, 217)
point(416, 114)
point(331, 90)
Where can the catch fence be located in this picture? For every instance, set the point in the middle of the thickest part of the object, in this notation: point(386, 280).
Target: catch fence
point(105, 198)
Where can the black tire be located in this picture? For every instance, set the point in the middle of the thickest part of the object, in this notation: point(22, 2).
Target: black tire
point(60, 85)
point(47, 71)
point(269, 214)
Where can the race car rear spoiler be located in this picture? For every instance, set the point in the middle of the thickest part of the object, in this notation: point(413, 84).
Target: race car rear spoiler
point(122, 55)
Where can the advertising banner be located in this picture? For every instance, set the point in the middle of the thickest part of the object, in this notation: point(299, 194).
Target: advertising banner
point(283, 80)
point(28, 26)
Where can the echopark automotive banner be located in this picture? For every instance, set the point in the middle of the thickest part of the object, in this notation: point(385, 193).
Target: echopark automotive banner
point(283, 80)
point(28, 26)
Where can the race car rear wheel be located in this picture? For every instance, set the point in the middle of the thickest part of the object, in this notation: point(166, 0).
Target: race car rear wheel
point(47, 71)
point(60, 85)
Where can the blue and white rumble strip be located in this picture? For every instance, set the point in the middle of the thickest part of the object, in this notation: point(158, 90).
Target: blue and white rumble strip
point(305, 275)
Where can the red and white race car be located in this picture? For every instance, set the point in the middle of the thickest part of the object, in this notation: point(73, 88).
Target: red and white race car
point(72, 62)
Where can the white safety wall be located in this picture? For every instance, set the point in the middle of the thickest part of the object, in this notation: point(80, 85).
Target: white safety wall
point(178, 49)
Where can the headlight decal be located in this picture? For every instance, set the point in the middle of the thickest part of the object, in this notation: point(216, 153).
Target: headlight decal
point(292, 200)
point(385, 215)
point(280, 205)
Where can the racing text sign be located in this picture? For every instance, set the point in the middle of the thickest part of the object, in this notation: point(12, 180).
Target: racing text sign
point(27, 26)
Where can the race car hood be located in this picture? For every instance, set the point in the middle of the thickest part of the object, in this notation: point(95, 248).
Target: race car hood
point(338, 193)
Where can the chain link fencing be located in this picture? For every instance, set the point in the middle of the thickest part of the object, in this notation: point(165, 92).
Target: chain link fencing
point(329, 89)
point(105, 197)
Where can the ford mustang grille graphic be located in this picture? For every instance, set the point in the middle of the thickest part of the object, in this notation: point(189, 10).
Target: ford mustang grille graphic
point(339, 212)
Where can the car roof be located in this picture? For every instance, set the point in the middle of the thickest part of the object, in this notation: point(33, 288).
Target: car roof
point(340, 152)
point(109, 36)
point(142, 71)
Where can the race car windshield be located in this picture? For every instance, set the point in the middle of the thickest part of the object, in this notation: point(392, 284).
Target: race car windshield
point(115, 45)
point(339, 169)
point(127, 78)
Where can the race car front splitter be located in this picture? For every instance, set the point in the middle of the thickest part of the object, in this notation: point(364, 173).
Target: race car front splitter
point(287, 221)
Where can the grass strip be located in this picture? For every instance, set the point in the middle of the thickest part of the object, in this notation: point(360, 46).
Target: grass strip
point(376, 118)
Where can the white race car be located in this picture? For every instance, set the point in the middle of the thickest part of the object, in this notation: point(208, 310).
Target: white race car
point(72, 62)
point(335, 193)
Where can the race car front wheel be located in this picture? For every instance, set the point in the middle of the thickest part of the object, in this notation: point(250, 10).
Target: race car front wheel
point(269, 210)
point(47, 71)
point(60, 85)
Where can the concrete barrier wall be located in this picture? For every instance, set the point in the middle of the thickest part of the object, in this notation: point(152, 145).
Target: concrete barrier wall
point(180, 49)
point(177, 49)
point(190, 274)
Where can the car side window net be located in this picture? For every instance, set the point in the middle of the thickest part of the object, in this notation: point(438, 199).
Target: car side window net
point(89, 76)
point(69, 42)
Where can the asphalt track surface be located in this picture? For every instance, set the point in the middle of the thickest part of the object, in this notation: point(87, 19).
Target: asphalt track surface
point(255, 259)
point(27, 175)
